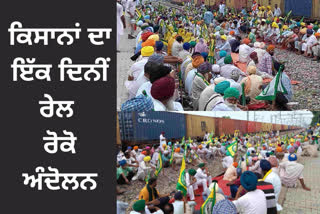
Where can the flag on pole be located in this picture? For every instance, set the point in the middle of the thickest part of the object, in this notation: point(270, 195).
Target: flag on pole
point(181, 185)
point(232, 149)
point(140, 17)
point(146, 179)
point(172, 152)
point(275, 86)
point(159, 165)
point(207, 206)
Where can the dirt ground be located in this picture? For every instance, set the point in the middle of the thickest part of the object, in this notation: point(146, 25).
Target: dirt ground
point(166, 183)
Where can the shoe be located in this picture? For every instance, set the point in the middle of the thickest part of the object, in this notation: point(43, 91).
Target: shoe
point(131, 37)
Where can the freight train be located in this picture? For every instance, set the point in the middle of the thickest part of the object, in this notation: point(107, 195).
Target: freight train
point(147, 126)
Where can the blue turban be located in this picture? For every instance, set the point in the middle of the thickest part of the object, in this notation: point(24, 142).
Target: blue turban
point(309, 31)
point(129, 147)
point(159, 45)
point(292, 157)
point(222, 86)
point(122, 162)
point(204, 55)
point(150, 29)
point(140, 103)
point(186, 46)
point(218, 28)
point(265, 165)
point(249, 180)
point(147, 17)
point(223, 53)
point(298, 24)
point(169, 144)
point(291, 150)
point(204, 68)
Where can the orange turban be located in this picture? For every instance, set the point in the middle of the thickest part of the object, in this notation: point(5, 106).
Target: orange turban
point(144, 152)
point(200, 146)
point(197, 61)
point(149, 42)
point(246, 41)
point(278, 149)
point(135, 148)
point(317, 34)
point(177, 150)
point(271, 48)
point(232, 32)
point(235, 164)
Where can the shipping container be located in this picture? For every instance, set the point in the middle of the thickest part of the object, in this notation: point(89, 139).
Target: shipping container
point(198, 125)
point(149, 125)
point(237, 124)
point(258, 127)
point(251, 127)
point(278, 127)
point(226, 126)
point(210, 3)
point(316, 9)
point(274, 127)
point(299, 7)
point(243, 127)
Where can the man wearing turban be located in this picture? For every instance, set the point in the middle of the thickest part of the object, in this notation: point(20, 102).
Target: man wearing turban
point(200, 82)
point(254, 201)
point(183, 54)
point(310, 41)
point(137, 68)
point(222, 55)
point(244, 51)
point(191, 182)
point(124, 173)
point(203, 176)
point(162, 91)
point(191, 69)
point(223, 45)
point(266, 63)
point(144, 169)
point(271, 177)
point(151, 195)
point(291, 171)
point(229, 69)
point(231, 96)
point(316, 48)
point(253, 83)
point(273, 34)
point(177, 46)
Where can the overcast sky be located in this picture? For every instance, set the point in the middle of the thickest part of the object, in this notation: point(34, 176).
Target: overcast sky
point(288, 118)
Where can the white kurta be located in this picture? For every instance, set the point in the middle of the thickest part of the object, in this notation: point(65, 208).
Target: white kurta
point(202, 179)
point(252, 203)
point(119, 22)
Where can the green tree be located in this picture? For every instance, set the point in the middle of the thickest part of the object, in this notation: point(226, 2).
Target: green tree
point(226, 117)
